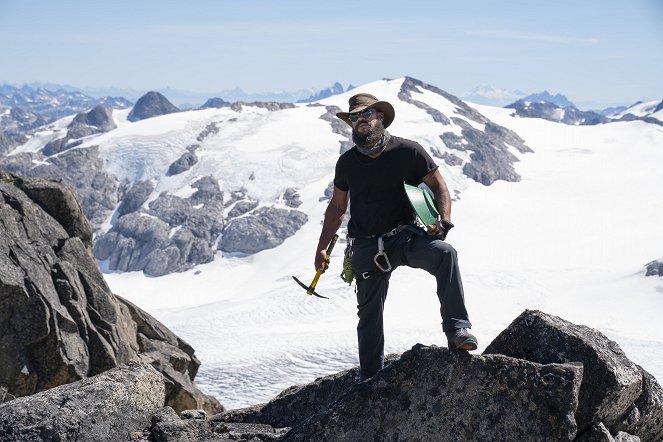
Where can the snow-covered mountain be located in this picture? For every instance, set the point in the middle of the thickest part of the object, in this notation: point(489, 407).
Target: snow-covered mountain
point(536, 227)
point(650, 109)
point(55, 104)
point(228, 178)
point(558, 100)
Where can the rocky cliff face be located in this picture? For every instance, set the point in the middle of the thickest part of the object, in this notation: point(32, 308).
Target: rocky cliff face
point(59, 322)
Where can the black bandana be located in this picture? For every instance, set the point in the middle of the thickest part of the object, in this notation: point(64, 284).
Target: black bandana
point(377, 147)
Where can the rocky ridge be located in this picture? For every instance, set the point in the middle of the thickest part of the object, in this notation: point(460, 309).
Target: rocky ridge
point(59, 321)
point(583, 388)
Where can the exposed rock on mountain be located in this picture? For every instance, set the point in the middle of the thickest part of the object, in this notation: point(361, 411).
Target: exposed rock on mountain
point(490, 159)
point(150, 105)
point(141, 239)
point(552, 112)
point(612, 385)
point(106, 407)
point(183, 163)
point(59, 321)
point(654, 268)
point(215, 102)
point(96, 121)
point(269, 105)
point(135, 197)
point(261, 229)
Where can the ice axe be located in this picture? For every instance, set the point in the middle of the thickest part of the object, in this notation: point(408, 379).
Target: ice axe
point(310, 290)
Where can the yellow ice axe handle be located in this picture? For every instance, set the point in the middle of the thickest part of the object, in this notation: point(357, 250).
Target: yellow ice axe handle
point(319, 272)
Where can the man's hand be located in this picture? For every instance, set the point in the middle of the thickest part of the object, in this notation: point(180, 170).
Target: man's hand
point(321, 261)
point(440, 228)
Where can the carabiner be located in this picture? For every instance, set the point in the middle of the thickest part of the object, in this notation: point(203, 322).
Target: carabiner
point(381, 259)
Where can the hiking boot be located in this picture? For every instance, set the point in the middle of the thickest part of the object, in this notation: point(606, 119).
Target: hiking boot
point(461, 339)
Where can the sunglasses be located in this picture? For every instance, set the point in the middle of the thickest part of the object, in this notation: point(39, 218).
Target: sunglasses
point(365, 114)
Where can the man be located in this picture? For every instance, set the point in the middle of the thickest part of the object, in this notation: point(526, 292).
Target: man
point(381, 230)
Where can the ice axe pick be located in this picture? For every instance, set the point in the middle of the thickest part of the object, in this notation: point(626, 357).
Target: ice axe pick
point(310, 290)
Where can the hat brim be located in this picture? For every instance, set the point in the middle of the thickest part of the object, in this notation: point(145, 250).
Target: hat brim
point(383, 107)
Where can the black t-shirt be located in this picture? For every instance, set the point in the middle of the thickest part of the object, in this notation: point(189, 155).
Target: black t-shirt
point(378, 202)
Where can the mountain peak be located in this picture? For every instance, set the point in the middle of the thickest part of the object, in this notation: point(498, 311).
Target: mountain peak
point(151, 105)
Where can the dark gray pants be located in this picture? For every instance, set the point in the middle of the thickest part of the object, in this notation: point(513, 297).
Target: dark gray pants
point(414, 250)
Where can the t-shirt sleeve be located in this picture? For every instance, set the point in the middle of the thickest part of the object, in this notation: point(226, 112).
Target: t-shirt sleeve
point(340, 179)
point(423, 162)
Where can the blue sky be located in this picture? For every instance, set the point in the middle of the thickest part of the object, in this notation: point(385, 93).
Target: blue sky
point(594, 51)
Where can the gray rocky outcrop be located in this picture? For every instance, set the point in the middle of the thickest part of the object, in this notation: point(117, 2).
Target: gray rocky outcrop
point(173, 234)
point(105, 407)
point(568, 114)
point(135, 197)
point(269, 105)
point(431, 393)
point(150, 105)
point(96, 121)
point(261, 229)
point(192, 425)
point(183, 163)
point(59, 321)
point(654, 268)
point(215, 103)
point(490, 159)
point(612, 385)
point(290, 197)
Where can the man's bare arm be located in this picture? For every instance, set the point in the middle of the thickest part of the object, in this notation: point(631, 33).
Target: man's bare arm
point(333, 219)
point(437, 184)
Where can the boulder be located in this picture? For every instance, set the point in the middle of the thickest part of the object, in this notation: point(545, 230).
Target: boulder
point(105, 407)
point(432, 393)
point(611, 384)
point(645, 418)
point(59, 321)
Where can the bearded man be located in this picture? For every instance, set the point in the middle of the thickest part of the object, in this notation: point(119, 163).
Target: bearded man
point(382, 234)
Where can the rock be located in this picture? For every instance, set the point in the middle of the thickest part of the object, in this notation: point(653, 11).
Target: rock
point(194, 426)
point(174, 358)
point(611, 383)
point(264, 228)
point(645, 419)
point(135, 197)
point(59, 201)
point(654, 268)
point(99, 117)
point(151, 105)
point(59, 322)
point(182, 164)
point(242, 207)
point(431, 393)
point(291, 198)
point(297, 403)
point(106, 407)
point(215, 103)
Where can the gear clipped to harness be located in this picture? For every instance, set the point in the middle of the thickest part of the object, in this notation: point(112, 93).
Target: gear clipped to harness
point(347, 275)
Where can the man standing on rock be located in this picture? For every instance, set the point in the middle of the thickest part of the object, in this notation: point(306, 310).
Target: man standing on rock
point(382, 234)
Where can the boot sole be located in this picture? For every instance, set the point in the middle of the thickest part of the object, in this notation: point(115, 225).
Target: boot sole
point(467, 345)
